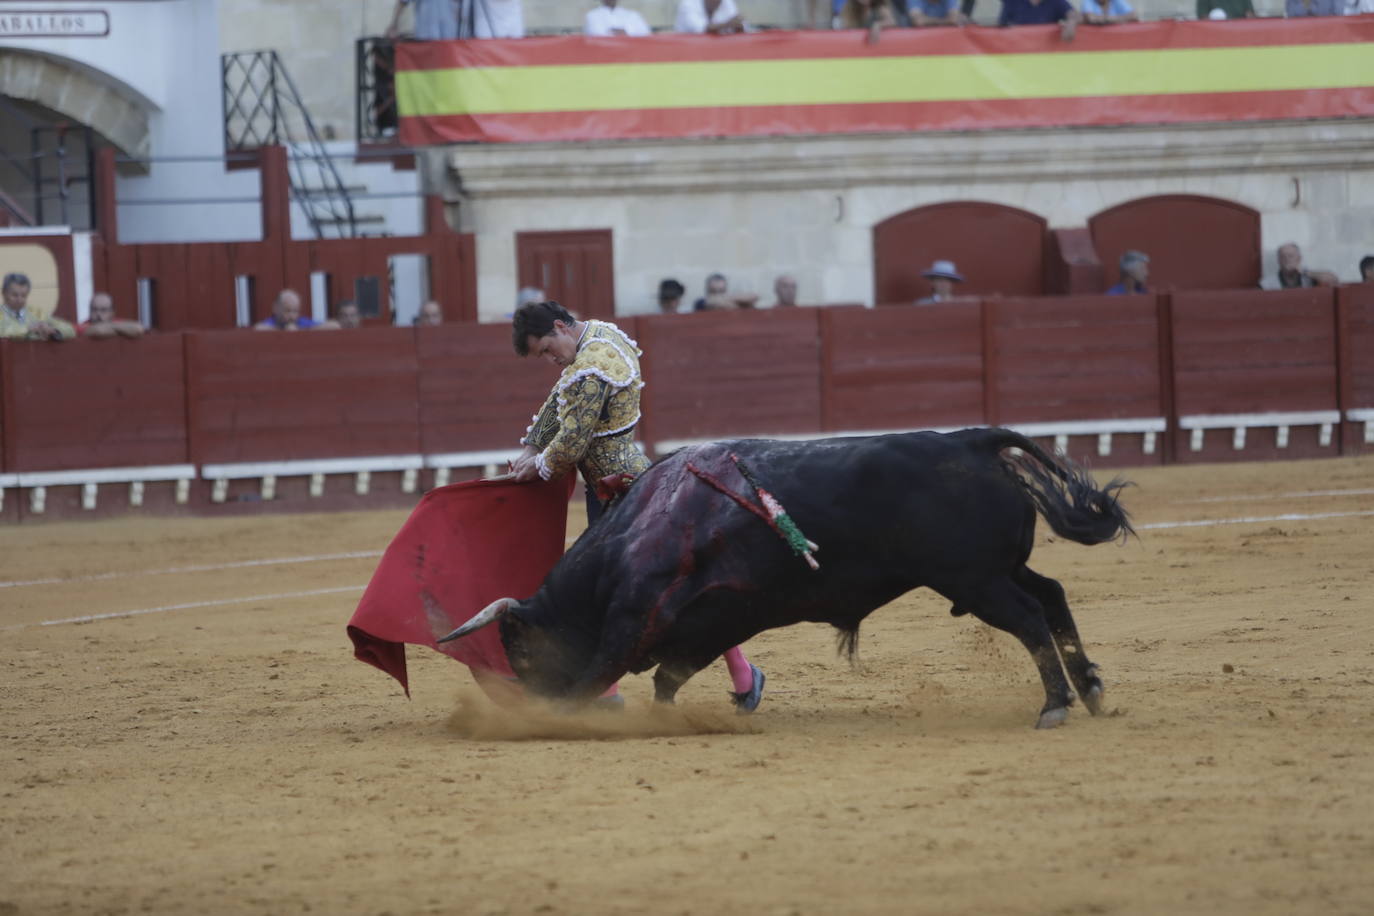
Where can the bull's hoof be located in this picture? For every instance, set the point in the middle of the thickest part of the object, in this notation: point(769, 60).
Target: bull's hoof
point(749, 701)
point(1053, 718)
point(1092, 698)
point(613, 703)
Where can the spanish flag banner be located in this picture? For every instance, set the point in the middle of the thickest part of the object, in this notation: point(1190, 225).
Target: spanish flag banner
point(834, 82)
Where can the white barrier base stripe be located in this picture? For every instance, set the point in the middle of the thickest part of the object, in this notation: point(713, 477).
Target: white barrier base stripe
point(188, 606)
point(241, 564)
point(1286, 517)
point(1252, 497)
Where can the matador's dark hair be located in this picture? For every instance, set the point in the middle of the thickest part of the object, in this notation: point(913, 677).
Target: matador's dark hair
point(535, 319)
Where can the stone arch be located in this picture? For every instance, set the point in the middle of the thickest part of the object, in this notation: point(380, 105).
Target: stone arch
point(113, 110)
point(1194, 242)
point(998, 249)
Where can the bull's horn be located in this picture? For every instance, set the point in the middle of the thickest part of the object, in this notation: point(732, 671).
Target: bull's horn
point(488, 614)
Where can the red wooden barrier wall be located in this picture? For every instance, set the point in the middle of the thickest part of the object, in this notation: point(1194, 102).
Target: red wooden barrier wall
point(475, 393)
point(256, 396)
point(907, 368)
point(731, 373)
point(1356, 329)
point(1247, 351)
point(85, 403)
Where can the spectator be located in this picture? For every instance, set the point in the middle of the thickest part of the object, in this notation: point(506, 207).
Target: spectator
point(497, 18)
point(1225, 9)
point(286, 314)
point(1356, 7)
point(942, 276)
point(874, 15)
point(1367, 268)
point(708, 17)
point(529, 294)
point(1295, 9)
point(935, 12)
point(435, 20)
point(718, 296)
point(1135, 273)
point(102, 322)
point(785, 290)
point(610, 18)
point(670, 293)
point(17, 319)
point(1043, 12)
point(431, 315)
point(1109, 12)
point(1292, 275)
point(347, 317)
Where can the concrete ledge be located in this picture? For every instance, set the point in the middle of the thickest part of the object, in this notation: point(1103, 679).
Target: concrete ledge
point(1238, 423)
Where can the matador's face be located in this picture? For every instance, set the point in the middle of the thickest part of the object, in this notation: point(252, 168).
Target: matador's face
point(559, 346)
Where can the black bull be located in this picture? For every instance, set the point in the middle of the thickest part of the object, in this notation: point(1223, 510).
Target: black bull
point(679, 569)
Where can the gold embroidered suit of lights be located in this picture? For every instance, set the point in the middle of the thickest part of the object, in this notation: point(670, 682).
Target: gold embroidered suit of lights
point(589, 417)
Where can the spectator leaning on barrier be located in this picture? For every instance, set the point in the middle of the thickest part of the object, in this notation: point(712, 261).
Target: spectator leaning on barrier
point(1295, 9)
point(1135, 274)
point(435, 20)
point(1225, 9)
point(925, 13)
point(708, 17)
point(785, 291)
point(942, 276)
point(1042, 12)
point(1292, 275)
point(286, 314)
point(102, 322)
point(670, 293)
point(431, 315)
point(610, 18)
point(1367, 268)
point(1108, 12)
point(17, 319)
point(347, 317)
point(718, 296)
point(497, 19)
point(874, 15)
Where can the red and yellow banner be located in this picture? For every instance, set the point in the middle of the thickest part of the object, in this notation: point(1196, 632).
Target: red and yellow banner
point(781, 83)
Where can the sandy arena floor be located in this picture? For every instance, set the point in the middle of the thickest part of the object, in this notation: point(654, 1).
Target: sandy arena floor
point(221, 752)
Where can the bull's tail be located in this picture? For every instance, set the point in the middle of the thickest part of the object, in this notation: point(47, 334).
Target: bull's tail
point(1064, 493)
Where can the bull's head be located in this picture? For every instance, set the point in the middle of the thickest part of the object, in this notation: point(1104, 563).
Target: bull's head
point(550, 661)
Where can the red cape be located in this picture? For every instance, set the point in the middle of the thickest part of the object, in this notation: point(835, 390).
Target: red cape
point(463, 547)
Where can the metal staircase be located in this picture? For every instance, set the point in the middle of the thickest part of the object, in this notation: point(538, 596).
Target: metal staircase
point(263, 108)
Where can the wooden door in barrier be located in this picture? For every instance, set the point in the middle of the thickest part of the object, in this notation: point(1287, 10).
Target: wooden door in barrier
point(1194, 242)
point(575, 268)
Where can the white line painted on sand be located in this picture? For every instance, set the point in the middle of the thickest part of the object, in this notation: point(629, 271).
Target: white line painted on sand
point(212, 567)
point(187, 606)
point(1286, 517)
point(1299, 494)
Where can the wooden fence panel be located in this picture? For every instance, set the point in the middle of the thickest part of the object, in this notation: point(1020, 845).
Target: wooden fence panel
point(94, 403)
point(1254, 352)
point(717, 374)
point(1356, 330)
point(475, 393)
point(1075, 358)
point(907, 368)
point(259, 396)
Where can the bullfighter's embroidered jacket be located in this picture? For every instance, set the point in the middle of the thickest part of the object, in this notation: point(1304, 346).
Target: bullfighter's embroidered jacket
point(589, 417)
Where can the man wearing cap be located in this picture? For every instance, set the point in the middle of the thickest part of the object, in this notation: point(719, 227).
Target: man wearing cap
point(1135, 273)
point(942, 276)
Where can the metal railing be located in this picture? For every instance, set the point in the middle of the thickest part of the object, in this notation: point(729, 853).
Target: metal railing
point(262, 107)
point(376, 117)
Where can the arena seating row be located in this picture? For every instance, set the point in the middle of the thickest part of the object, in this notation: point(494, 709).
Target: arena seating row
point(215, 419)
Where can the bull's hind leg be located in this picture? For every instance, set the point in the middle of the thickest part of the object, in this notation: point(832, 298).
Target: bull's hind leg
point(1003, 605)
point(671, 675)
point(1082, 672)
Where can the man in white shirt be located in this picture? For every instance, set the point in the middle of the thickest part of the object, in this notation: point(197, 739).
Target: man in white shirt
point(716, 17)
point(610, 18)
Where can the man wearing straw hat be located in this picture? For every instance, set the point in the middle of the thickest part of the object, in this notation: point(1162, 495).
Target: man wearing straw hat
point(942, 276)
